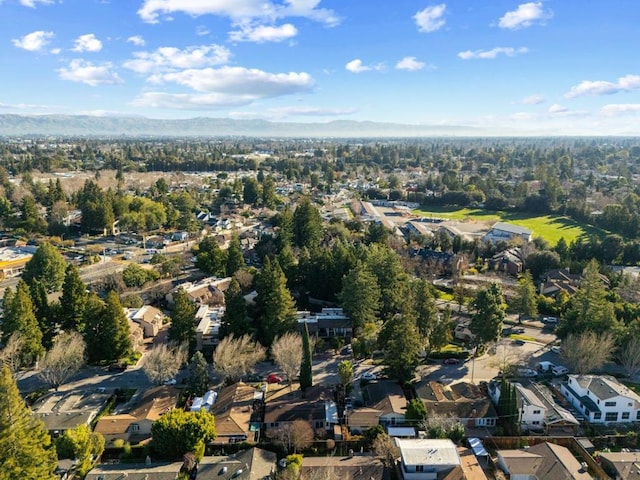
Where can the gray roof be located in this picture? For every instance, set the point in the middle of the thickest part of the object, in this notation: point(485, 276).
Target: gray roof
point(605, 387)
point(511, 228)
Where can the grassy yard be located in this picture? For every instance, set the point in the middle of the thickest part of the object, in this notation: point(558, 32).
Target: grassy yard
point(549, 227)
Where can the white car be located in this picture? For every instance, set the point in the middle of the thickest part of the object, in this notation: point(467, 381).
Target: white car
point(368, 376)
point(555, 349)
point(527, 372)
point(171, 381)
point(559, 370)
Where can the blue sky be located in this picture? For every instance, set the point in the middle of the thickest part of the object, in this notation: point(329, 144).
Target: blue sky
point(541, 67)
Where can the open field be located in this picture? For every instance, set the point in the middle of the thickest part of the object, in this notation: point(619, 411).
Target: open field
point(550, 227)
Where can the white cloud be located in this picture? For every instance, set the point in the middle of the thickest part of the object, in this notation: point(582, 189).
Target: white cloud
point(619, 109)
point(170, 58)
point(239, 81)
point(90, 74)
point(263, 33)
point(190, 101)
point(602, 87)
point(87, 43)
point(55, 51)
point(533, 99)
point(33, 3)
point(240, 11)
point(410, 63)
point(356, 66)
point(430, 19)
point(557, 108)
point(34, 41)
point(137, 40)
point(526, 15)
point(491, 54)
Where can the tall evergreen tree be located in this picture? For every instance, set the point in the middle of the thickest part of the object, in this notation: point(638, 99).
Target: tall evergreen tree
point(20, 317)
point(360, 297)
point(307, 224)
point(43, 312)
point(489, 313)
point(402, 348)
point(235, 259)
point(235, 320)
point(198, 381)
point(73, 300)
point(526, 301)
point(46, 265)
point(276, 306)
point(285, 231)
point(211, 258)
point(115, 312)
point(26, 450)
point(306, 374)
point(183, 321)
point(392, 279)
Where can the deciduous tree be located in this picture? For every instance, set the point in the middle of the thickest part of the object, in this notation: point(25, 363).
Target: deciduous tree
point(587, 351)
point(210, 257)
point(286, 351)
point(293, 436)
point(80, 444)
point(306, 374)
point(163, 362)
point(65, 358)
point(629, 357)
point(235, 357)
point(345, 373)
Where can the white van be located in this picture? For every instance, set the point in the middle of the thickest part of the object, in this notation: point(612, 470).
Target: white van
point(559, 370)
point(545, 367)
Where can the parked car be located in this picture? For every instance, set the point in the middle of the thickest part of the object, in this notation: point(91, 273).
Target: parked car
point(451, 361)
point(348, 403)
point(527, 372)
point(519, 342)
point(170, 381)
point(273, 378)
point(254, 377)
point(555, 349)
point(550, 320)
point(368, 376)
point(517, 330)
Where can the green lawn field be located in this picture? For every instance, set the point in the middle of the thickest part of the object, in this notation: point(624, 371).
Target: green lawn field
point(549, 227)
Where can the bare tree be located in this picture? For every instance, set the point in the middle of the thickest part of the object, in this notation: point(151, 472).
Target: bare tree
point(629, 357)
point(162, 363)
point(504, 357)
point(587, 351)
point(293, 436)
point(66, 357)
point(385, 448)
point(287, 353)
point(234, 357)
point(11, 354)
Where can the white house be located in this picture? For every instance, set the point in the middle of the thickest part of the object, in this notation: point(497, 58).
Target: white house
point(426, 458)
point(209, 323)
point(531, 409)
point(602, 399)
point(507, 231)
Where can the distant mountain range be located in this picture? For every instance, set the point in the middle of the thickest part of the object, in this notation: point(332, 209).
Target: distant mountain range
point(85, 125)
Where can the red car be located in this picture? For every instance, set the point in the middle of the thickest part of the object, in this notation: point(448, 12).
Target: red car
point(451, 361)
point(273, 378)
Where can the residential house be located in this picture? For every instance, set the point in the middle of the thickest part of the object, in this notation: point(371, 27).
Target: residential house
point(180, 237)
point(135, 427)
point(151, 319)
point(13, 259)
point(136, 335)
point(387, 397)
point(465, 401)
point(209, 321)
point(602, 399)
point(61, 411)
point(252, 464)
point(428, 458)
point(327, 324)
point(354, 467)
point(360, 419)
point(621, 465)
point(544, 461)
point(237, 410)
point(209, 291)
point(453, 232)
point(507, 231)
point(416, 227)
point(559, 280)
point(204, 403)
point(317, 407)
point(531, 409)
point(557, 419)
point(508, 261)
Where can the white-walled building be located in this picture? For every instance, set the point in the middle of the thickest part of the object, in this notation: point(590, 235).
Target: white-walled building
point(507, 231)
point(208, 330)
point(602, 399)
point(426, 458)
